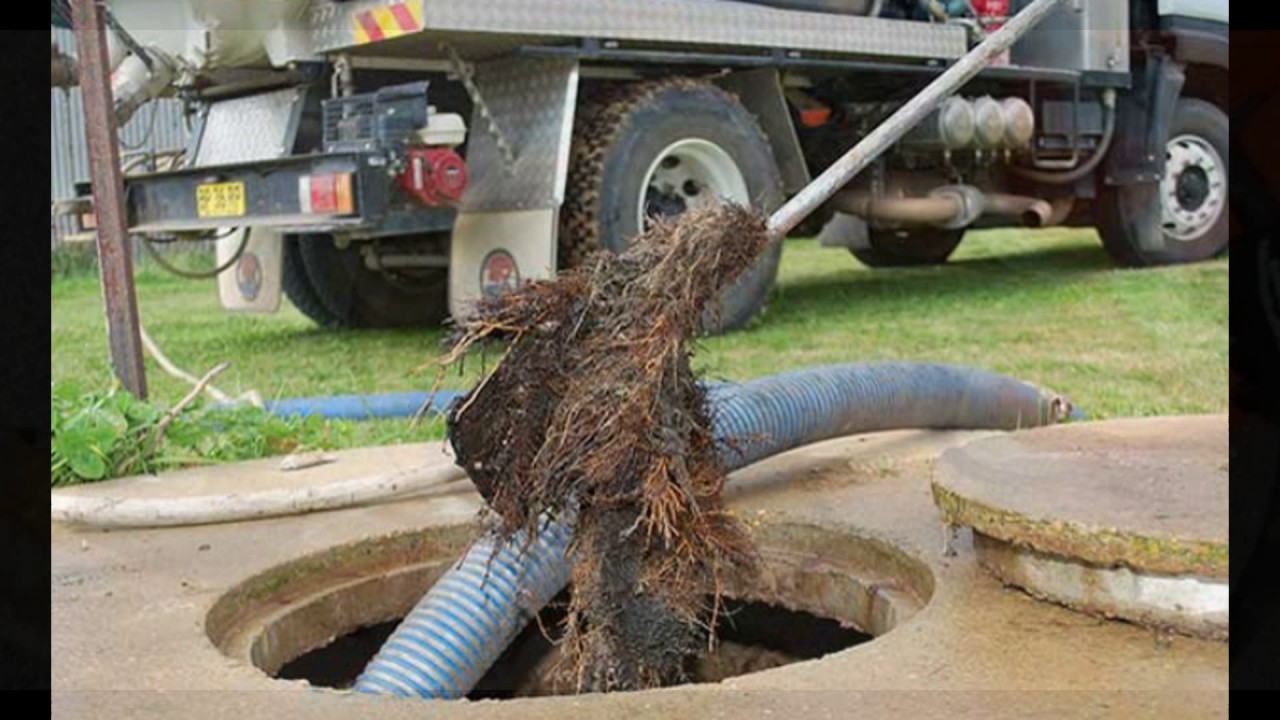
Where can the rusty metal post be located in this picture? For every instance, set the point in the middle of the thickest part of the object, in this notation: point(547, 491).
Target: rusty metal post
point(115, 262)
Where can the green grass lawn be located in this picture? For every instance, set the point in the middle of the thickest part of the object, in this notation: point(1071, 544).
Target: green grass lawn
point(1045, 306)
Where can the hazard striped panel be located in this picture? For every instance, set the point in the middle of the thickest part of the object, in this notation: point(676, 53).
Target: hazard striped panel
point(388, 21)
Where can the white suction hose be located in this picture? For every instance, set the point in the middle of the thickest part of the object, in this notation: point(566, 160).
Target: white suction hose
point(141, 512)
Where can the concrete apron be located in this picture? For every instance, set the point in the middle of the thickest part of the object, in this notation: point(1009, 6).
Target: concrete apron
point(130, 611)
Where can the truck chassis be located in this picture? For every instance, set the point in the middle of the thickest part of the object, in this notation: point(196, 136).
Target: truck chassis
point(585, 118)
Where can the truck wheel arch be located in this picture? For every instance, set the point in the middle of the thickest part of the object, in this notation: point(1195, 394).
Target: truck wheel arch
point(625, 129)
point(1197, 41)
point(1203, 47)
point(760, 92)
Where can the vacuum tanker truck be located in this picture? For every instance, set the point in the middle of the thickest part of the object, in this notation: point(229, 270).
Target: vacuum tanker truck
point(387, 162)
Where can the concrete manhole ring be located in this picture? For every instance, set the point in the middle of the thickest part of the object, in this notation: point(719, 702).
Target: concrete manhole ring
point(160, 623)
point(845, 587)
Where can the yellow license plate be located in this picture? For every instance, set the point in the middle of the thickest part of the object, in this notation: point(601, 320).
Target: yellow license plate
point(220, 199)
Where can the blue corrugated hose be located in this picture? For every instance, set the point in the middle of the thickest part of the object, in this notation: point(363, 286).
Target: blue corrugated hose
point(460, 627)
point(458, 630)
point(364, 407)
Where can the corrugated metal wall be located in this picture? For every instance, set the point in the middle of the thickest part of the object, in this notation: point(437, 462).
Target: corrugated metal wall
point(157, 126)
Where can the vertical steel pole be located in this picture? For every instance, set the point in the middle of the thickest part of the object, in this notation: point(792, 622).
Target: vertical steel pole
point(115, 262)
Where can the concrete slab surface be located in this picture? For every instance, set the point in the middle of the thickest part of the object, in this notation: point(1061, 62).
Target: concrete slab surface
point(129, 612)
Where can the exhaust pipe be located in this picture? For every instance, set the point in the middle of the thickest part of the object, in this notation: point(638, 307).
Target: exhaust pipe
point(1032, 212)
point(134, 83)
point(933, 210)
point(952, 206)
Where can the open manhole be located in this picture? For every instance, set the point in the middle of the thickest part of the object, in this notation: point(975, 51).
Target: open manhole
point(322, 618)
point(751, 637)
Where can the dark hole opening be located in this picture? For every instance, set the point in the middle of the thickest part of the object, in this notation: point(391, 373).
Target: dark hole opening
point(753, 636)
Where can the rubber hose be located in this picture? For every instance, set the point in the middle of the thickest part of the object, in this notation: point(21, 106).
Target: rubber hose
point(774, 414)
point(153, 512)
point(472, 613)
point(364, 407)
point(738, 407)
point(462, 625)
point(1066, 177)
point(149, 245)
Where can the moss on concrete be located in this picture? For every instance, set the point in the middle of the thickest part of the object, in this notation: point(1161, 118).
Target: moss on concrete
point(1102, 546)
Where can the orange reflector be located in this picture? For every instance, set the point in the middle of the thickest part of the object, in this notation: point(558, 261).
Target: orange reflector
point(342, 187)
point(815, 117)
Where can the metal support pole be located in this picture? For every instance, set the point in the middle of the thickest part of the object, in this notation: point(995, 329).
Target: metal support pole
point(115, 262)
point(908, 116)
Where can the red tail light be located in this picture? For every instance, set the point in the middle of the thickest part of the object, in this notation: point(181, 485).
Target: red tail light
point(326, 194)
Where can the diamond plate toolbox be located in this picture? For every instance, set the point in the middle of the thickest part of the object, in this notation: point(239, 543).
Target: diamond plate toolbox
point(255, 127)
point(532, 105)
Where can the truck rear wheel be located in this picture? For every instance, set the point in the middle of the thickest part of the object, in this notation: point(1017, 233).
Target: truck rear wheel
point(900, 248)
point(1188, 207)
point(658, 149)
point(298, 288)
point(345, 292)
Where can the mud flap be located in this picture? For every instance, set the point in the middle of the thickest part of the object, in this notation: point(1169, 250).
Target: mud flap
point(501, 250)
point(760, 91)
point(517, 160)
point(253, 283)
point(1137, 158)
point(246, 129)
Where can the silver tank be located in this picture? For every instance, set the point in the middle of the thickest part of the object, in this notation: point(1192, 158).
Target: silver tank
point(208, 35)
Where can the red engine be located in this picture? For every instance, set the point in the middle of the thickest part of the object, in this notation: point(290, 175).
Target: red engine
point(434, 176)
point(991, 15)
point(992, 9)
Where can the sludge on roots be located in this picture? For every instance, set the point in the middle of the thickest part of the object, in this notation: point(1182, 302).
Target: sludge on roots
point(594, 410)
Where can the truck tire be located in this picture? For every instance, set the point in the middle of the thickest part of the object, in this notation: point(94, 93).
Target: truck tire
point(358, 297)
point(297, 285)
point(1192, 197)
point(924, 246)
point(659, 148)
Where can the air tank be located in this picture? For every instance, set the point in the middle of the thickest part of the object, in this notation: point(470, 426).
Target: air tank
point(1019, 122)
point(988, 123)
point(950, 127)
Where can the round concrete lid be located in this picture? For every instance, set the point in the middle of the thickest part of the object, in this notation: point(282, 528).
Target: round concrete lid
point(1149, 494)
